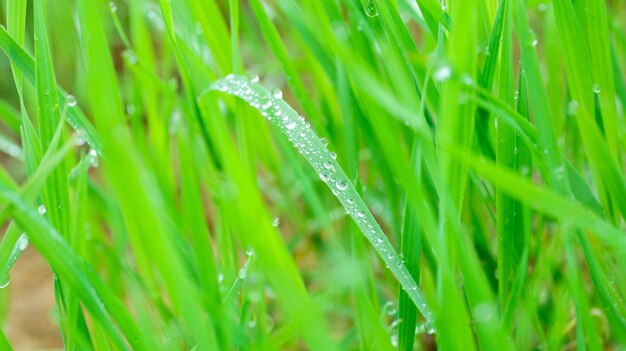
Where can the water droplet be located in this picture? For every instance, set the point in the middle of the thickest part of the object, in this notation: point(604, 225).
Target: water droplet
point(92, 158)
point(483, 312)
point(442, 73)
point(41, 209)
point(324, 141)
point(390, 308)
point(324, 176)
point(254, 296)
point(22, 242)
point(275, 222)
point(596, 88)
point(130, 57)
point(254, 78)
point(341, 185)
point(5, 283)
point(370, 9)
point(14, 151)
point(467, 79)
point(559, 172)
point(394, 340)
point(277, 93)
point(266, 105)
point(242, 273)
point(533, 37)
point(70, 100)
point(572, 108)
point(333, 155)
point(291, 125)
point(113, 6)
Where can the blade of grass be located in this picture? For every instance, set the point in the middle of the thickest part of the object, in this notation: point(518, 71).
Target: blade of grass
point(510, 221)
point(142, 208)
point(64, 261)
point(16, 26)
point(311, 147)
point(26, 64)
point(10, 116)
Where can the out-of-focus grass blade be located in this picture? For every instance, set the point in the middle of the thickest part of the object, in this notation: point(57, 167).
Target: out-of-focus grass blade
point(275, 43)
point(510, 215)
point(411, 247)
point(155, 242)
point(598, 45)
point(4, 342)
point(277, 111)
point(26, 64)
point(604, 164)
point(10, 148)
point(524, 165)
point(538, 99)
point(549, 202)
point(65, 262)
point(16, 23)
point(10, 116)
point(411, 251)
point(14, 241)
point(56, 191)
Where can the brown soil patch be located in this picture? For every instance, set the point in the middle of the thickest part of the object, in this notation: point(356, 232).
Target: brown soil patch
point(29, 324)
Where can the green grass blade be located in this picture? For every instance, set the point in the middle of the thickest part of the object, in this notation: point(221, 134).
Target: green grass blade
point(312, 148)
point(411, 251)
point(16, 27)
point(26, 64)
point(56, 191)
point(10, 116)
point(510, 222)
point(61, 258)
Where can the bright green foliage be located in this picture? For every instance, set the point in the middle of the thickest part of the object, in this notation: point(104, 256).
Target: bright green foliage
point(433, 174)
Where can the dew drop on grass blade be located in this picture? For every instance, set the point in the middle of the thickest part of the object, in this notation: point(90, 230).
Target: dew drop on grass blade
point(298, 131)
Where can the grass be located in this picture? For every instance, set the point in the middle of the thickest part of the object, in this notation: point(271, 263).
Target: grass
point(354, 174)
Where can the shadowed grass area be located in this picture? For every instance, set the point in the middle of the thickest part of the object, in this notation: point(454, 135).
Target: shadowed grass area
point(325, 175)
